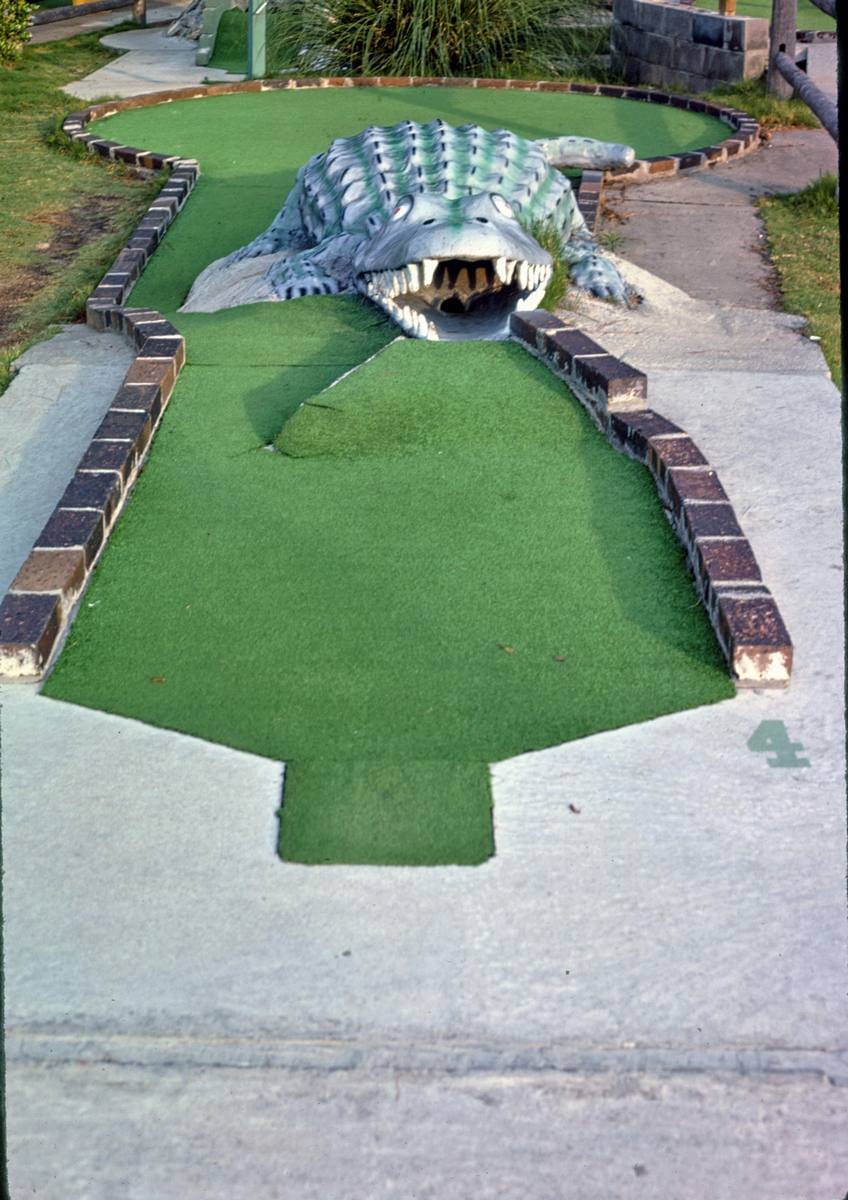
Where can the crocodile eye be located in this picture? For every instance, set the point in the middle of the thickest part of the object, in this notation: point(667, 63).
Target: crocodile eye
point(401, 209)
point(502, 205)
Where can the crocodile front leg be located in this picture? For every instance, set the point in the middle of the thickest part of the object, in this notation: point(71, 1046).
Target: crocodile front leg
point(323, 270)
point(588, 268)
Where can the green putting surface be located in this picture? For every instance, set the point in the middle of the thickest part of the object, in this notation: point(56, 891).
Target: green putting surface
point(230, 53)
point(441, 564)
point(809, 17)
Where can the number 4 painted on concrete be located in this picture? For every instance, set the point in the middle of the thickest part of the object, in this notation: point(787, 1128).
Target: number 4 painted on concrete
point(771, 736)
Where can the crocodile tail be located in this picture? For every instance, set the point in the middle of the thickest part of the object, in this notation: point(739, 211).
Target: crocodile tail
point(586, 152)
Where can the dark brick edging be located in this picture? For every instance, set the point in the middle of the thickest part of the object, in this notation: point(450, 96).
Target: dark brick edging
point(39, 606)
point(744, 138)
point(742, 610)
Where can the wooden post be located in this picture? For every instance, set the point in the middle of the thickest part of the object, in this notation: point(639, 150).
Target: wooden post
point(256, 13)
point(784, 26)
point(727, 8)
point(139, 11)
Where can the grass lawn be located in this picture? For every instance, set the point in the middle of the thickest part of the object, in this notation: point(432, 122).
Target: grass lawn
point(809, 17)
point(803, 238)
point(436, 564)
point(771, 112)
point(63, 215)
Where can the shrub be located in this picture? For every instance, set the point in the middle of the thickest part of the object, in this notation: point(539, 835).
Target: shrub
point(14, 28)
point(487, 38)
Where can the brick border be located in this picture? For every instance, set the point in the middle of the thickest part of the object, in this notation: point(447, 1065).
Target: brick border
point(742, 610)
point(39, 607)
point(745, 135)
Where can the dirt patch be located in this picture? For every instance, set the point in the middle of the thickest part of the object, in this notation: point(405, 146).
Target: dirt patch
point(65, 232)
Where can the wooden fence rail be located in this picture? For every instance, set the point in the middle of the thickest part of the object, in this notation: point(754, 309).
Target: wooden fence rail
point(813, 97)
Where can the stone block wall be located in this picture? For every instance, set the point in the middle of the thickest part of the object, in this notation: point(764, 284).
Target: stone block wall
point(678, 46)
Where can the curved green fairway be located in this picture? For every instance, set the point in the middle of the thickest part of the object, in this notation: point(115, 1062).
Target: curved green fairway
point(440, 564)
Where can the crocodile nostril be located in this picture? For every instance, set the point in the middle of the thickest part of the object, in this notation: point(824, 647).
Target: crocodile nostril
point(483, 220)
point(429, 221)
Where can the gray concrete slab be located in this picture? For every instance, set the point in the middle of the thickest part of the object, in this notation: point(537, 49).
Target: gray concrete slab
point(48, 414)
point(702, 233)
point(423, 1135)
point(57, 31)
point(154, 62)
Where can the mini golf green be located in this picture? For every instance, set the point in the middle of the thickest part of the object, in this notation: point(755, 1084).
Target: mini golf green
point(433, 565)
point(809, 17)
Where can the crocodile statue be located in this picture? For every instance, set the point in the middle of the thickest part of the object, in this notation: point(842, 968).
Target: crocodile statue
point(432, 223)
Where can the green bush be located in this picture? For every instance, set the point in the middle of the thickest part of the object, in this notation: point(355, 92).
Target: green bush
point(487, 38)
point(14, 28)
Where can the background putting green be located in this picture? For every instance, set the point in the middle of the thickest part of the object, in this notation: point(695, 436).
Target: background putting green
point(446, 565)
point(809, 17)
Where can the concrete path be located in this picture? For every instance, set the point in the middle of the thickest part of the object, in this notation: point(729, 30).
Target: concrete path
point(154, 62)
point(57, 31)
point(645, 998)
point(702, 232)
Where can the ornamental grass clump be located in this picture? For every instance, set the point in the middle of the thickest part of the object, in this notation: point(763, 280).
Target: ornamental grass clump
point(14, 28)
point(486, 38)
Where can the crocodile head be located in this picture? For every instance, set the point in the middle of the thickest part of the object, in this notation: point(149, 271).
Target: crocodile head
point(448, 269)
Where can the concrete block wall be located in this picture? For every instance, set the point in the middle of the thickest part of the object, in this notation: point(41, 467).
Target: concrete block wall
point(678, 46)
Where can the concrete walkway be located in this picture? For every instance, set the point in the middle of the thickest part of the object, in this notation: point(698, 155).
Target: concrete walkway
point(702, 232)
point(57, 31)
point(645, 998)
point(154, 62)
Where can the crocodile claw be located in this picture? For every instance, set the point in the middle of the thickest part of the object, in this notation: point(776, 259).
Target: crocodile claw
point(600, 278)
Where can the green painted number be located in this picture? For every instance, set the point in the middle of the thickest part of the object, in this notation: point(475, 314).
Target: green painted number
point(771, 737)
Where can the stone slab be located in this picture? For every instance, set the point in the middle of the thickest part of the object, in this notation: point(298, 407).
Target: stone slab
point(60, 30)
point(154, 62)
point(702, 233)
point(49, 413)
point(313, 1135)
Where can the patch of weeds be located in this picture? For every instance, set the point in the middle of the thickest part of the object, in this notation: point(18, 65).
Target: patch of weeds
point(610, 240)
point(549, 239)
point(771, 112)
point(803, 241)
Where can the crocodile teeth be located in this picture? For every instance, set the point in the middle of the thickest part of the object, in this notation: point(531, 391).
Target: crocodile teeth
point(412, 278)
point(428, 270)
point(523, 274)
point(511, 264)
point(530, 301)
point(500, 265)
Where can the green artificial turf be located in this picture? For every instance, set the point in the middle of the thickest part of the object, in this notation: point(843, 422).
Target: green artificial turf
point(809, 17)
point(434, 564)
point(407, 813)
point(230, 52)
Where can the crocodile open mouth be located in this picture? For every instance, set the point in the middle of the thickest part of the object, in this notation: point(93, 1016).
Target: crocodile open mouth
point(449, 299)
